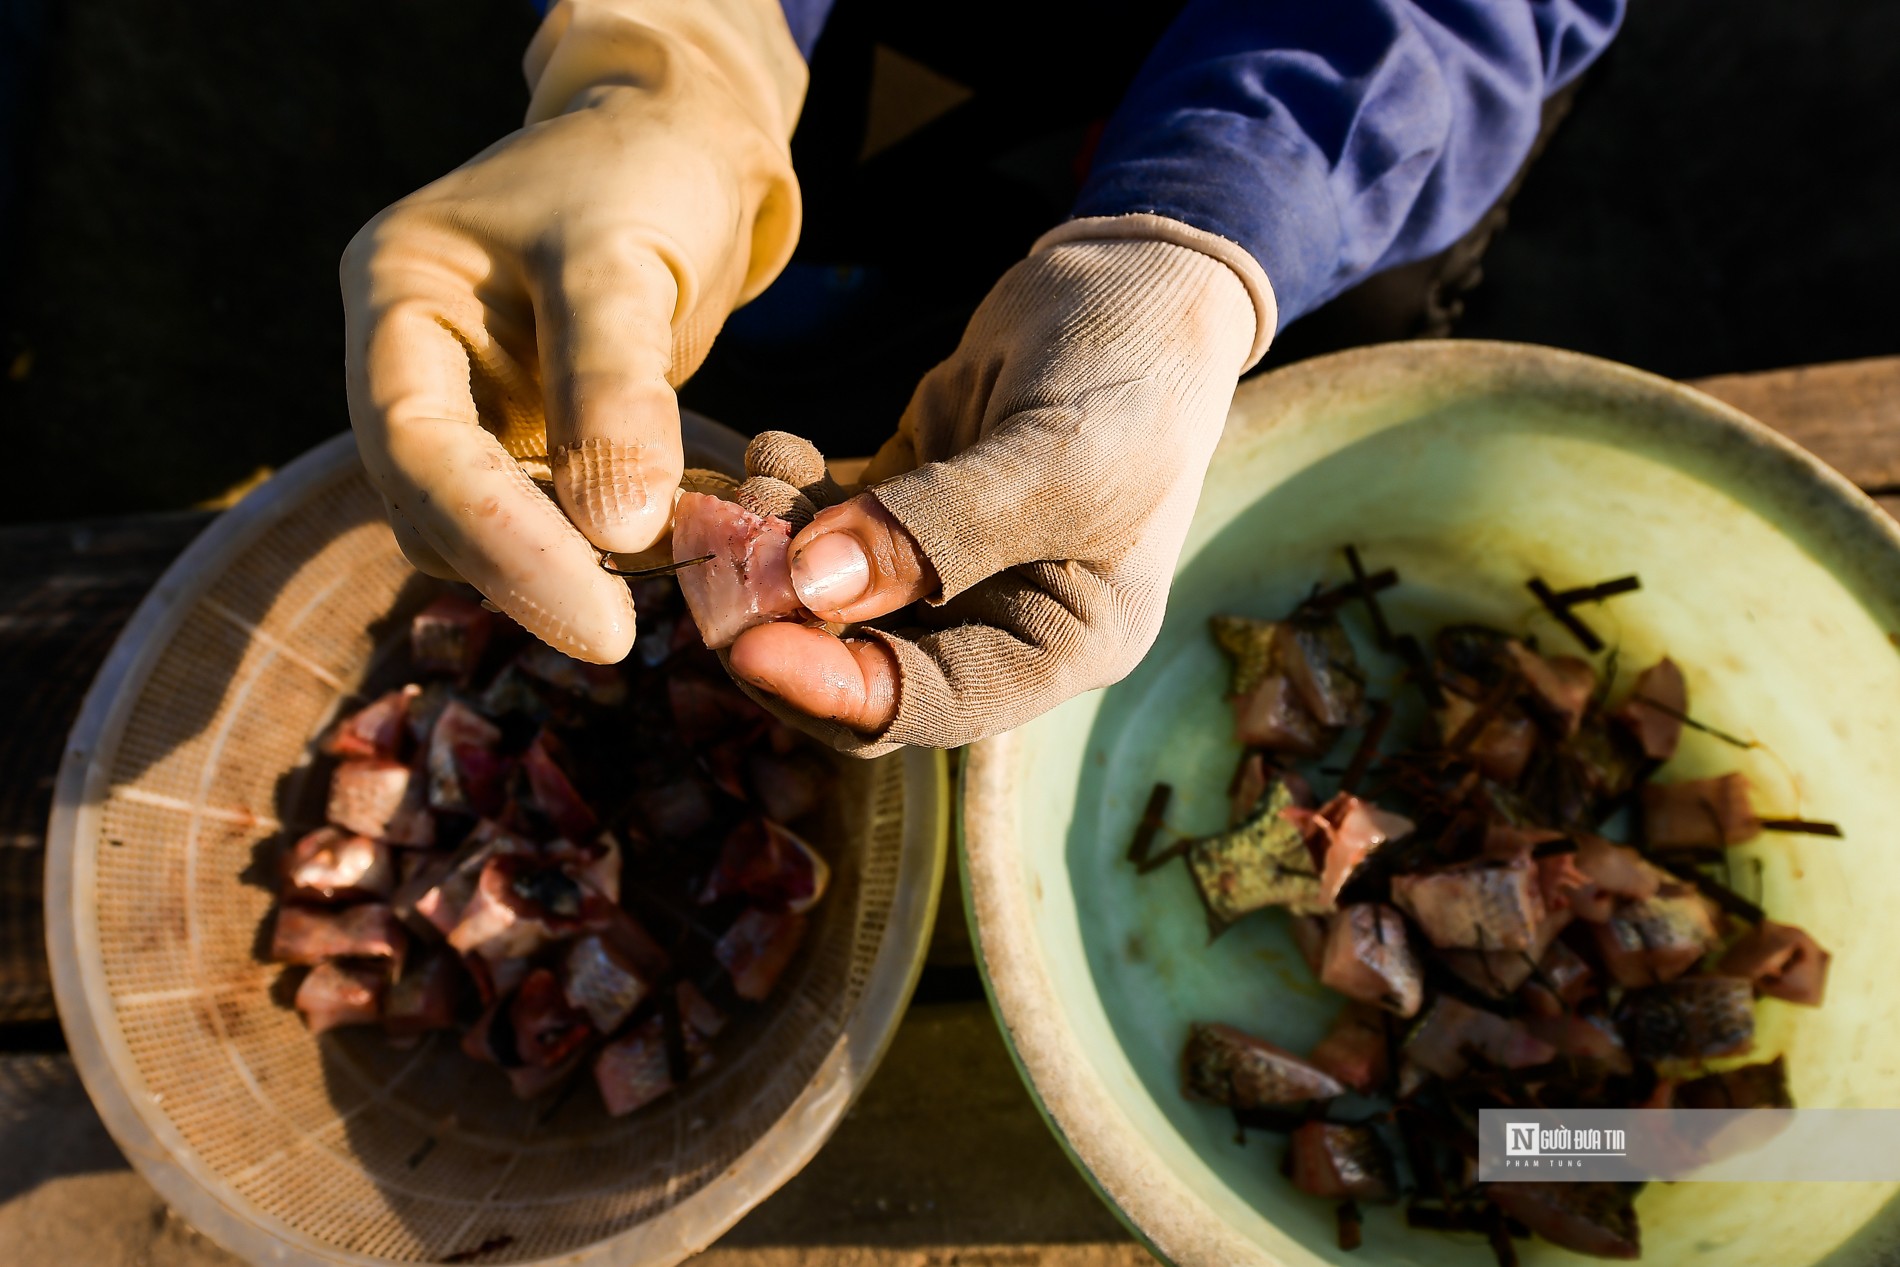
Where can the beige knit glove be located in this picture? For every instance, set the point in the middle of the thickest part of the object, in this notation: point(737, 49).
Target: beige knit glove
point(520, 324)
point(1034, 498)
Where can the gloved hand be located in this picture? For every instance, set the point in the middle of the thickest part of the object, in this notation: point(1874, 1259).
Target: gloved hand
point(1035, 496)
point(527, 316)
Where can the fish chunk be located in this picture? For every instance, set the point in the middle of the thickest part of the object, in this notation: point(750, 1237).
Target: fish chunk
point(1584, 1038)
point(1271, 716)
point(1349, 831)
point(1453, 1033)
point(601, 684)
point(436, 893)
point(604, 981)
point(1504, 743)
point(1226, 1066)
point(1318, 659)
point(450, 635)
point(1597, 876)
point(336, 994)
point(1354, 1051)
point(634, 1071)
point(1762, 1086)
point(307, 935)
point(1562, 981)
point(595, 865)
point(330, 865)
point(1342, 1163)
point(548, 1029)
point(1561, 685)
point(1692, 1018)
point(1368, 957)
point(1475, 906)
point(382, 800)
point(747, 582)
point(375, 730)
point(554, 794)
point(1782, 961)
point(1263, 862)
point(1500, 973)
point(1598, 1219)
point(771, 866)
point(466, 773)
point(788, 787)
point(1654, 710)
point(522, 903)
point(423, 997)
point(757, 948)
point(1658, 938)
point(1699, 812)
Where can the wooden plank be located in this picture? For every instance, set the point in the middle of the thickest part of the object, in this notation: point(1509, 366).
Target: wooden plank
point(944, 1161)
point(1847, 414)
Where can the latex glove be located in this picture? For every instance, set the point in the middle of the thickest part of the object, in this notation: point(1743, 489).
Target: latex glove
point(1057, 458)
point(527, 316)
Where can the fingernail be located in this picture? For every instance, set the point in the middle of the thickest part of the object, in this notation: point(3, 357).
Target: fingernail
point(831, 572)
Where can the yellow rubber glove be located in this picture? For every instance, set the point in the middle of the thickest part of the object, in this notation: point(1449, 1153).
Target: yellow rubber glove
point(526, 317)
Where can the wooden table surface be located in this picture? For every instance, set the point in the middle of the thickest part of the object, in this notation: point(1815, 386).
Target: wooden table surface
point(944, 1160)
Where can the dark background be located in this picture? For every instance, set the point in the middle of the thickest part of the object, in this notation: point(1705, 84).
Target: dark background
point(182, 176)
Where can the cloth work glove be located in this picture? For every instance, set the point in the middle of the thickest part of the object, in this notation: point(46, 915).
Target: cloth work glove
point(1034, 499)
point(525, 318)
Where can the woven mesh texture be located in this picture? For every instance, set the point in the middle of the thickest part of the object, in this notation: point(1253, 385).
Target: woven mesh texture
point(410, 1156)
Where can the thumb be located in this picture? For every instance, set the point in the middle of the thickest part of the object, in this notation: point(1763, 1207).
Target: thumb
point(854, 562)
point(613, 421)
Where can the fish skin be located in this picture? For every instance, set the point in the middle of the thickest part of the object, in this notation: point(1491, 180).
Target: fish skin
point(770, 865)
point(747, 582)
point(603, 981)
point(1590, 1218)
point(368, 795)
point(1227, 1066)
point(1368, 956)
point(1271, 716)
point(1318, 659)
point(1475, 906)
point(465, 774)
point(1263, 862)
point(1453, 1032)
point(1689, 1019)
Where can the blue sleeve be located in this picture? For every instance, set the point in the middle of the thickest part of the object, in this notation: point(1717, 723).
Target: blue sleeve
point(805, 17)
point(1337, 139)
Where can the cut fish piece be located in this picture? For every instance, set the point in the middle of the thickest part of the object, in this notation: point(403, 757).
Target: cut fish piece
point(423, 997)
point(554, 792)
point(770, 865)
point(1475, 906)
point(1354, 1050)
point(756, 950)
point(1342, 1163)
point(548, 1029)
point(1699, 812)
point(1598, 1219)
point(1453, 1033)
point(522, 903)
point(308, 935)
point(1263, 862)
point(450, 635)
point(1369, 957)
point(1227, 1066)
point(330, 865)
point(1658, 938)
point(747, 582)
point(1782, 961)
point(382, 800)
point(604, 981)
point(466, 773)
point(1655, 709)
point(337, 994)
point(375, 730)
point(1689, 1019)
point(1350, 830)
point(1562, 685)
